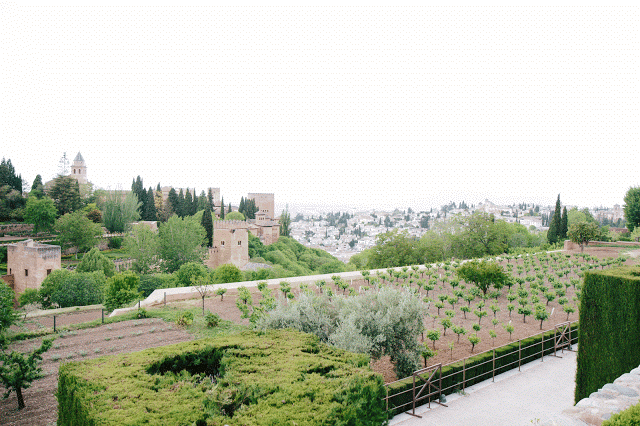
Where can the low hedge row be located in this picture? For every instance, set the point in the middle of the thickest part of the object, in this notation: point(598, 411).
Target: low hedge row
point(273, 378)
point(610, 328)
point(477, 368)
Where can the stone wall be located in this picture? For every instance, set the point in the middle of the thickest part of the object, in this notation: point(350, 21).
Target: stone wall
point(601, 405)
point(568, 245)
point(230, 244)
point(12, 228)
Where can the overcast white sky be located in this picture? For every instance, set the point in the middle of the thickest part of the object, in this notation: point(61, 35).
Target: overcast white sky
point(363, 107)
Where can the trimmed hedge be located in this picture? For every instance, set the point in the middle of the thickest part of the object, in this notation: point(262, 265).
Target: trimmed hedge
point(478, 368)
point(610, 328)
point(277, 377)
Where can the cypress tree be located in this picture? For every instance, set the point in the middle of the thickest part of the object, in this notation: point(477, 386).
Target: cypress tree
point(194, 204)
point(241, 207)
point(222, 208)
point(207, 223)
point(202, 201)
point(174, 201)
point(188, 203)
point(150, 207)
point(180, 210)
point(210, 199)
point(564, 225)
point(554, 227)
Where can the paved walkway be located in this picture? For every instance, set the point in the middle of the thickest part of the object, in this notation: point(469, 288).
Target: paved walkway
point(530, 397)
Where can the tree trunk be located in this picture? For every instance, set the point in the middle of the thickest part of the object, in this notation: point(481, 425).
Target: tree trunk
point(20, 398)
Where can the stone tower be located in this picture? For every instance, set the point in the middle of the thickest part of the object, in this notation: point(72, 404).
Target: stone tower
point(79, 169)
point(265, 204)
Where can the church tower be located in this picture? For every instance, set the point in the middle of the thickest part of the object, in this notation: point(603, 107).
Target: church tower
point(79, 169)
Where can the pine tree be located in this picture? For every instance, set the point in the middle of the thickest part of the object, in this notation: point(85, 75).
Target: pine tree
point(554, 226)
point(207, 223)
point(564, 225)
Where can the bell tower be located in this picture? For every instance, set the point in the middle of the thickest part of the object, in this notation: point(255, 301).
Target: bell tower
point(79, 169)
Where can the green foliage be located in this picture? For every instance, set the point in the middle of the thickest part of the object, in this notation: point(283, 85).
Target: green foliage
point(29, 297)
point(234, 216)
point(212, 320)
point(122, 289)
point(151, 282)
point(277, 377)
point(143, 246)
point(96, 261)
point(553, 234)
point(119, 211)
point(115, 242)
point(227, 273)
point(63, 288)
point(383, 322)
point(632, 208)
point(184, 318)
point(628, 417)
point(7, 314)
point(609, 328)
point(18, 370)
point(65, 193)
point(483, 274)
point(207, 224)
point(190, 271)
point(582, 232)
point(181, 241)
point(76, 230)
point(41, 212)
point(285, 223)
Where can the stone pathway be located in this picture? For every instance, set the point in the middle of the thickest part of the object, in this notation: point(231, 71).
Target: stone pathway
point(534, 396)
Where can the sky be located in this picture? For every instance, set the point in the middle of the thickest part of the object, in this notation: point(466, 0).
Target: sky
point(337, 106)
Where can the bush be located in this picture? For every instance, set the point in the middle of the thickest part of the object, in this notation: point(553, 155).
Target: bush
point(96, 261)
point(29, 297)
point(142, 313)
point(212, 320)
point(149, 283)
point(64, 288)
point(115, 242)
point(184, 318)
point(277, 377)
point(122, 289)
point(628, 417)
point(227, 273)
point(188, 271)
point(609, 328)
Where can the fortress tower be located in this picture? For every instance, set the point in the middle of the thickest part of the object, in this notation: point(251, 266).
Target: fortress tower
point(79, 169)
point(265, 204)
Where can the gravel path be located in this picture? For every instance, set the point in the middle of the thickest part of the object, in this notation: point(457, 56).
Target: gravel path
point(534, 395)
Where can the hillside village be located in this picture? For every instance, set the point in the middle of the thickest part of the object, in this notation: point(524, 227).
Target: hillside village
point(344, 234)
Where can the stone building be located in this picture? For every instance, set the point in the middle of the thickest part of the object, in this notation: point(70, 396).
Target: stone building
point(29, 263)
point(268, 230)
point(230, 244)
point(265, 204)
point(79, 170)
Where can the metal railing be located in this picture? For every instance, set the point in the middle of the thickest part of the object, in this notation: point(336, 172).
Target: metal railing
point(562, 339)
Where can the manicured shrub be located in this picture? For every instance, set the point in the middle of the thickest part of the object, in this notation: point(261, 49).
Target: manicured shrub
point(277, 377)
point(63, 288)
point(609, 328)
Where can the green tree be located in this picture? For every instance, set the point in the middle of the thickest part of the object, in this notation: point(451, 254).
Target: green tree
point(37, 188)
point(8, 316)
point(226, 273)
point(234, 216)
point(143, 246)
point(181, 241)
point(65, 193)
point(190, 271)
point(76, 230)
point(119, 212)
point(554, 226)
point(583, 232)
point(96, 261)
point(150, 206)
point(393, 248)
point(285, 223)
point(41, 212)
point(122, 289)
point(63, 288)
point(207, 224)
point(485, 235)
point(222, 208)
point(564, 225)
point(18, 370)
point(632, 208)
point(9, 177)
point(483, 274)
point(174, 201)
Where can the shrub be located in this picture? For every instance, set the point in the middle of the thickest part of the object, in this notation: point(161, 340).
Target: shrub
point(142, 313)
point(248, 379)
point(628, 417)
point(188, 271)
point(65, 288)
point(96, 261)
point(227, 273)
point(212, 320)
point(609, 328)
point(122, 289)
point(115, 242)
point(184, 318)
point(151, 282)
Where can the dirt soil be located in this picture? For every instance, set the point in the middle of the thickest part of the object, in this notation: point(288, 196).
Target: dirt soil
point(131, 336)
point(127, 336)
